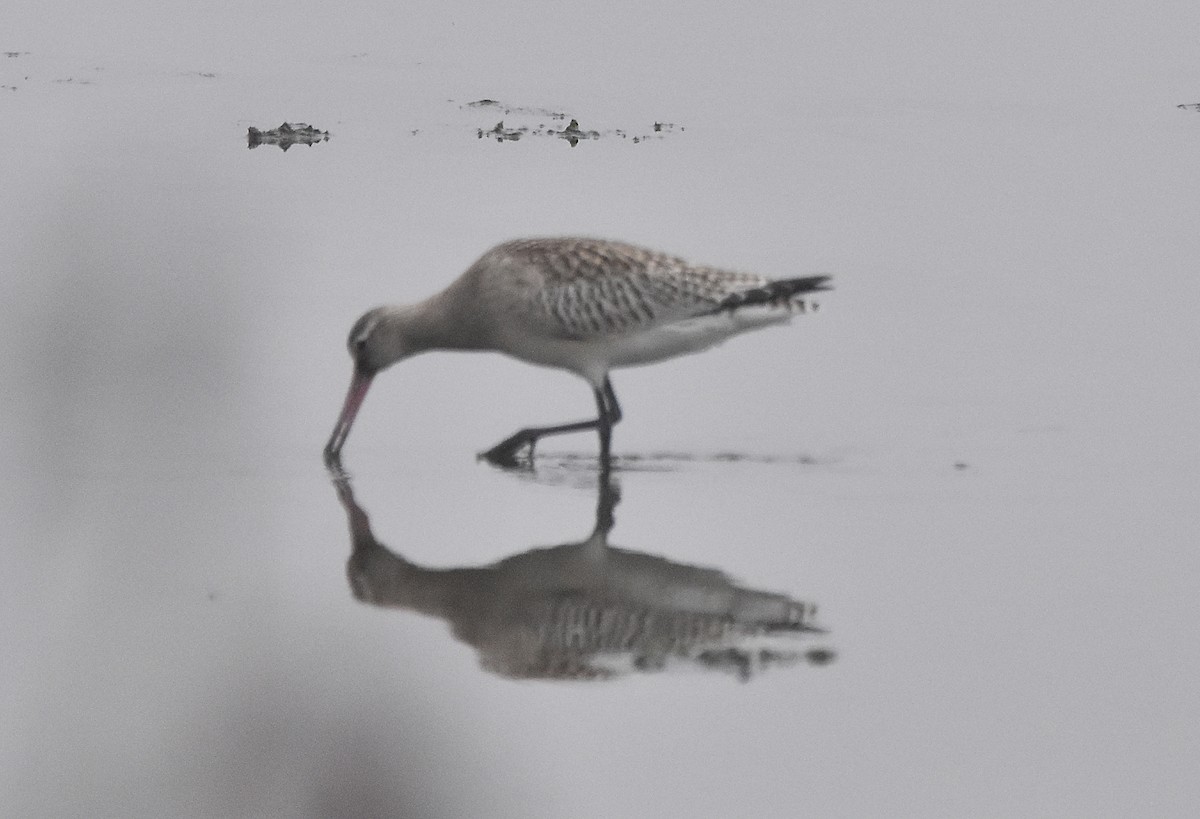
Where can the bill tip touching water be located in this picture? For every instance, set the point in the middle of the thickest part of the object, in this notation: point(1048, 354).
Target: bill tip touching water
point(587, 306)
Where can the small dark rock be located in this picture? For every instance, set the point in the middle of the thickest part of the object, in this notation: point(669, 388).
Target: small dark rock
point(286, 135)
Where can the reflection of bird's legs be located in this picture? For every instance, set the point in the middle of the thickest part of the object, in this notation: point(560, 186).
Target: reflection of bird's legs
point(609, 497)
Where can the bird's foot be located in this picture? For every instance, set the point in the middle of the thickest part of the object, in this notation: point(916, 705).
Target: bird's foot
point(504, 454)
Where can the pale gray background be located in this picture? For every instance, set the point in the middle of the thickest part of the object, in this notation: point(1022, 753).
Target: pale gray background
point(1009, 199)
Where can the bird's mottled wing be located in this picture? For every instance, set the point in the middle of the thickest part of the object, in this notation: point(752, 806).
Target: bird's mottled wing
point(582, 288)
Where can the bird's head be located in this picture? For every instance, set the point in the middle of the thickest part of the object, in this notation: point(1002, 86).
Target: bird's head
point(376, 341)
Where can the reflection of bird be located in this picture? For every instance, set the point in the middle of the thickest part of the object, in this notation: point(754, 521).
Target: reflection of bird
point(584, 305)
point(588, 610)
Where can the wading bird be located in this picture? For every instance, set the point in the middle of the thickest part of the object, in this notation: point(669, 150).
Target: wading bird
point(583, 305)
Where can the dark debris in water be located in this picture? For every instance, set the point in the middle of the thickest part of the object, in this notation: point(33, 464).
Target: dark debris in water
point(516, 110)
point(286, 135)
point(1191, 106)
point(579, 470)
point(502, 134)
point(719, 457)
point(573, 133)
point(665, 461)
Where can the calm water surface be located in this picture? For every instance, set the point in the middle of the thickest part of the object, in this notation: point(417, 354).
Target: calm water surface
point(979, 462)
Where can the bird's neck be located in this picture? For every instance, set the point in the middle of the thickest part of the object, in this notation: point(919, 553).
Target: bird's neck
point(438, 323)
point(387, 579)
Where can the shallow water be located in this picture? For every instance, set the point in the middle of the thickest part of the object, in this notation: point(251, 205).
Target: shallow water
point(979, 461)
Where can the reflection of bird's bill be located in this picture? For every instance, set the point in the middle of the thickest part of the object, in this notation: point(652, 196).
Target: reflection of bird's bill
point(360, 524)
point(359, 384)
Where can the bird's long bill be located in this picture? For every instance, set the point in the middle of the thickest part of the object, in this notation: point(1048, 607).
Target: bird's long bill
point(354, 398)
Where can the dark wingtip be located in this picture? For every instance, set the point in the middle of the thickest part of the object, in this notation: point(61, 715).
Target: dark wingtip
point(809, 284)
point(775, 292)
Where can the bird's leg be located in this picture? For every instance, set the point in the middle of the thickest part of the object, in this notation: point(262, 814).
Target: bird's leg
point(604, 427)
point(614, 409)
point(609, 497)
point(505, 452)
point(610, 414)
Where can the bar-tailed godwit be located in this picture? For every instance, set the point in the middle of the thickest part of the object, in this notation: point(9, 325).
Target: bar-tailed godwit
point(583, 305)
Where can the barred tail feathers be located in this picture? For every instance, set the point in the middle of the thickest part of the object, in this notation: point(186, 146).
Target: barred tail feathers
point(783, 292)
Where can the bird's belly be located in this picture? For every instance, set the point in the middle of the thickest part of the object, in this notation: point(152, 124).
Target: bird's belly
point(592, 358)
point(658, 344)
point(583, 357)
point(691, 335)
